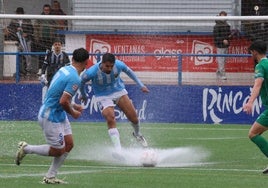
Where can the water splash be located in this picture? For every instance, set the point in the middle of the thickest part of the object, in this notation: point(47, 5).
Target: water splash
point(170, 157)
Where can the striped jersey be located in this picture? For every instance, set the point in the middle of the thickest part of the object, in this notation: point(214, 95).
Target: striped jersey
point(104, 84)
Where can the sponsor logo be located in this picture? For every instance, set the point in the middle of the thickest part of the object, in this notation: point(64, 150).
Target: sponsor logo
point(216, 103)
point(98, 46)
point(199, 47)
point(160, 53)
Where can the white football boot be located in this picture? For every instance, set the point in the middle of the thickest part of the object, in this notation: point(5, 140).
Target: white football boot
point(20, 152)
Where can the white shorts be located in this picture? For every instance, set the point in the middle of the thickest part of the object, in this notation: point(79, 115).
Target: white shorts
point(55, 132)
point(110, 100)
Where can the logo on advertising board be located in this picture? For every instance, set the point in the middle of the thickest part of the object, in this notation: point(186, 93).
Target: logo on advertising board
point(199, 47)
point(98, 46)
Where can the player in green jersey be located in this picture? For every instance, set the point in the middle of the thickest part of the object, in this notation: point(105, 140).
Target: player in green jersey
point(258, 50)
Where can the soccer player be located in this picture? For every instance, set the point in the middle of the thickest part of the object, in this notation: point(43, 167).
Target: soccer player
point(53, 62)
point(110, 91)
point(258, 50)
point(53, 119)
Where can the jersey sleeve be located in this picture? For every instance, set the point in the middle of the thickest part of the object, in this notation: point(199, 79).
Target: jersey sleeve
point(85, 77)
point(259, 71)
point(72, 86)
point(130, 73)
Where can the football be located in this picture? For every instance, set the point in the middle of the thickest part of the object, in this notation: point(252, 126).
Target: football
point(149, 158)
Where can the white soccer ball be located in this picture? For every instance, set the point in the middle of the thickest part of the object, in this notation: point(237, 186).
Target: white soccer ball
point(149, 158)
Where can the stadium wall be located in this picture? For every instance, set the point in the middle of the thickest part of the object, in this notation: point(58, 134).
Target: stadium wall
point(167, 104)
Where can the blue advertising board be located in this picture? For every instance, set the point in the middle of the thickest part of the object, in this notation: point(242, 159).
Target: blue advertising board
point(164, 103)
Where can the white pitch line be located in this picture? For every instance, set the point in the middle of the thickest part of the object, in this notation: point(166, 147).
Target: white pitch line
point(42, 174)
point(218, 138)
point(103, 168)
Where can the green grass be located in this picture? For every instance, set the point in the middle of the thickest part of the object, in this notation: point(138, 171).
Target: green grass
point(234, 161)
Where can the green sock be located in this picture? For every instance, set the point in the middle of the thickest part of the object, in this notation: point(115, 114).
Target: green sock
point(261, 142)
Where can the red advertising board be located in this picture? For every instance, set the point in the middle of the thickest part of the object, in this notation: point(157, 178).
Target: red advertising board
point(170, 45)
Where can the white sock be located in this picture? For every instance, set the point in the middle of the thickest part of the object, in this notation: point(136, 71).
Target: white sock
point(115, 138)
point(56, 164)
point(37, 149)
point(136, 128)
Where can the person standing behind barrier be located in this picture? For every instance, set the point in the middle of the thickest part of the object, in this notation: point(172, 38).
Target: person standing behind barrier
point(22, 30)
point(44, 35)
point(222, 35)
point(53, 62)
point(53, 119)
point(258, 50)
point(61, 24)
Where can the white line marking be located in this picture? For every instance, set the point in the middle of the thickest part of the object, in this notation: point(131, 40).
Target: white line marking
point(103, 168)
point(42, 174)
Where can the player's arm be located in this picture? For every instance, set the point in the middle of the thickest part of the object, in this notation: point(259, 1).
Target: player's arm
point(254, 94)
point(86, 76)
point(133, 76)
point(73, 109)
point(259, 77)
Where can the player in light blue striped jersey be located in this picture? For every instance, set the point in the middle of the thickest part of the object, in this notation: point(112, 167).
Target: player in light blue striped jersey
point(110, 91)
point(53, 119)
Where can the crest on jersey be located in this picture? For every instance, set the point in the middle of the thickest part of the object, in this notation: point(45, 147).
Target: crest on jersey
point(75, 87)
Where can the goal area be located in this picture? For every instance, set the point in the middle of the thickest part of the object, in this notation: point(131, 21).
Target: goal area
point(173, 50)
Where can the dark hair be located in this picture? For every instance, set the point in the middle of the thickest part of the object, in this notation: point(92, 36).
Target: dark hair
point(108, 57)
point(80, 55)
point(259, 46)
point(57, 40)
point(223, 13)
point(20, 10)
point(46, 5)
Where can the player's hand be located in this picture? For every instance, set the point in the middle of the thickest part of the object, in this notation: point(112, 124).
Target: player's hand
point(247, 108)
point(144, 89)
point(83, 99)
point(43, 80)
point(76, 114)
point(78, 107)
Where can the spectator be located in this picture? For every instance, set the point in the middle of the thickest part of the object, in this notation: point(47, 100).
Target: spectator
point(21, 30)
point(54, 61)
point(222, 35)
point(44, 35)
point(61, 24)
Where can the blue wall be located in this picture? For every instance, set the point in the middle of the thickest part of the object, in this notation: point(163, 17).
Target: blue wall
point(170, 104)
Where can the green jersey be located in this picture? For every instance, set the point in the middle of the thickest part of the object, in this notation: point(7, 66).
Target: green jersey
point(261, 71)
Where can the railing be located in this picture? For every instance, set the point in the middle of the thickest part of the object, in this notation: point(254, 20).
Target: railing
point(98, 57)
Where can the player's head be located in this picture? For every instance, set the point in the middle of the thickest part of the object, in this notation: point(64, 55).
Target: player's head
point(107, 62)
point(80, 59)
point(57, 44)
point(258, 46)
point(258, 50)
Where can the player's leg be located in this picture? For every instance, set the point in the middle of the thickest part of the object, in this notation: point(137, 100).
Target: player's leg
point(126, 105)
point(58, 161)
point(255, 132)
point(255, 136)
point(106, 105)
point(54, 138)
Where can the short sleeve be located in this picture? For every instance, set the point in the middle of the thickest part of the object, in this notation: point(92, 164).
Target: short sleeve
point(259, 71)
